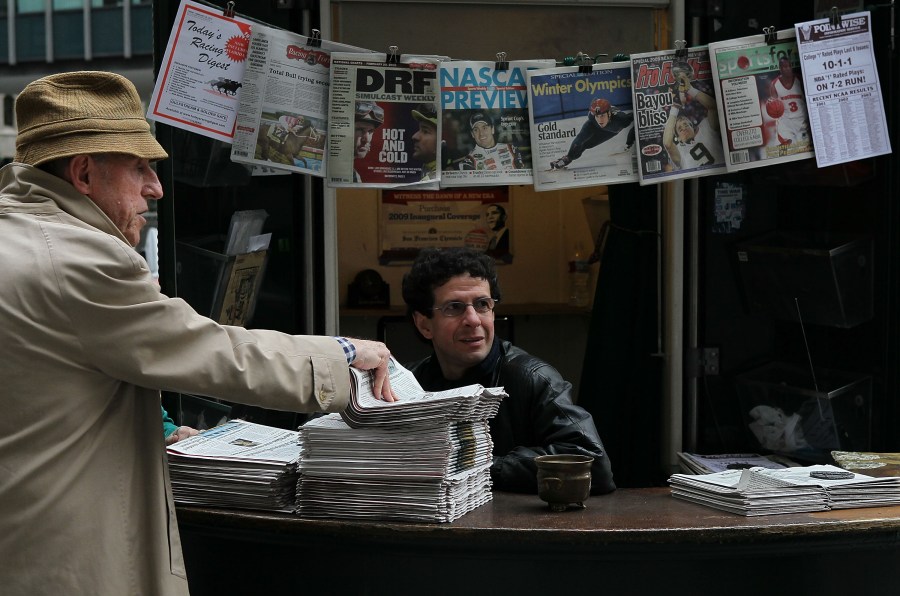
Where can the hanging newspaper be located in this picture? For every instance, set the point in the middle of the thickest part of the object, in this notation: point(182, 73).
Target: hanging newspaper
point(202, 71)
point(582, 126)
point(486, 138)
point(675, 116)
point(382, 121)
point(845, 104)
point(283, 111)
point(762, 107)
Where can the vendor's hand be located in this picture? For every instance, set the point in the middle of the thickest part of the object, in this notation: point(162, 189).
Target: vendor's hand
point(374, 356)
point(182, 432)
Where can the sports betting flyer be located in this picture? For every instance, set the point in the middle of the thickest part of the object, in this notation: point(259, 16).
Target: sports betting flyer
point(486, 138)
point(675, 115)
point(845, 105)
point(383, 128)
point(762, 105)
point(202, 72)
point(582, 126)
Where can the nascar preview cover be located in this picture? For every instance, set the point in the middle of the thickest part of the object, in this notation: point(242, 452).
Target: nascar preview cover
point(763, 114)
point(675, 115)
point(383, 128)
point(582, 126)
point(485, 135)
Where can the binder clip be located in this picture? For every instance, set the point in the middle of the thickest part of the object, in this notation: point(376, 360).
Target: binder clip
point(315, 39)
point(393, 55)
point(501, 63)
point(834, 18)
point(680, 49)
point(228, 11)
point(771, 35)
point(585, 63)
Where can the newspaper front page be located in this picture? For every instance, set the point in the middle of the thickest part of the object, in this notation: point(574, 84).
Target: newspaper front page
point(845, 104)
point(202, 72)
point(762, 111)
point(582, 126)
point(383, 127)
point(675, 116)
point(283, 112)
point(486, 139)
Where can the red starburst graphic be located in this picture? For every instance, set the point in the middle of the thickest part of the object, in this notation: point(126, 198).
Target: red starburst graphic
point(237, 47)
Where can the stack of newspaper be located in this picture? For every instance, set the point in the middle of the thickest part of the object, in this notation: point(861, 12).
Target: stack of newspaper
point(238, 464)
point(762, 491)
point(426, 457)
point(434, 472)
point(417, 406)
point(693, 463)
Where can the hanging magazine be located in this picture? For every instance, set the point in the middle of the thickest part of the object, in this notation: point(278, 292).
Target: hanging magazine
point(675, 115)
point(202, 72)
point(383, 128)
point(283, 111)
point(582, 126)
point(762, 115)
point(485, 137)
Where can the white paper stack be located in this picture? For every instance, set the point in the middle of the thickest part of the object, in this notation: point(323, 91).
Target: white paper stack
point(417, 406)
point(761, 491)
point(238, 464)
point(432, 472)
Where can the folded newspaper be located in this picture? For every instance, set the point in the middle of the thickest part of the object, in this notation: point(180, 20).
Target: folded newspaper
point(762, 491)
point(417, 406)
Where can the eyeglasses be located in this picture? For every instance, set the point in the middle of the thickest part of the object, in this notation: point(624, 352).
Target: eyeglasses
point(455, 308)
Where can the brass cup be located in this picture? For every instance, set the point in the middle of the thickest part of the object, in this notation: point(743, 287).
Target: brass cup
point(564, 480)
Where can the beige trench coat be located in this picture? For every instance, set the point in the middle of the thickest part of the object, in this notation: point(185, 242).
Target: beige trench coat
point(86, 343)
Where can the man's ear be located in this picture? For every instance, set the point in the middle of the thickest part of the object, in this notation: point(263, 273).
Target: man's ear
point(79, 173)
point(423, 324)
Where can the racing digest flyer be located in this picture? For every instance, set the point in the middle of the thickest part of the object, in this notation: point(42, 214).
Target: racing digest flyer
point(582, 126)
point(675, 116)
point(485, 136)
point(383, 128)
point(763, 114)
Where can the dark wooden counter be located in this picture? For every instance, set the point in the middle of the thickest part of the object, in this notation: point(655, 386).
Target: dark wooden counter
point(633, 541)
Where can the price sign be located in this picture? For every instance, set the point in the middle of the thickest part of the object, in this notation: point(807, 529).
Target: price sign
point(843, 93)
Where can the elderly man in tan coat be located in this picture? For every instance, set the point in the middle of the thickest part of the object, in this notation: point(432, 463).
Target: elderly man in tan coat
point(87, 342)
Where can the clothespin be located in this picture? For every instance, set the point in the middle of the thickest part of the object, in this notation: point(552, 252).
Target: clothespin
point(621, 58)
point(501, 63)
point(835, 18)
point(393, 55)
point(770, 34)
point(680, 49)
point(567, 61)
point(315, 39)
point(585, 62)
point(228, 11)
point(598, 56)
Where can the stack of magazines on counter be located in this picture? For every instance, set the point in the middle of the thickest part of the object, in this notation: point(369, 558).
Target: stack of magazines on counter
point(693, 463)
point(238, 464)
point(424, 458)
point(764, 491)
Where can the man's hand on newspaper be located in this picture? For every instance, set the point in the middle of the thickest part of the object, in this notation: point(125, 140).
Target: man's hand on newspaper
point(374, 356)
point(182, 432)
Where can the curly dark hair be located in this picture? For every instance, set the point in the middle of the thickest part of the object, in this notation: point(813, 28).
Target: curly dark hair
point(436, 266)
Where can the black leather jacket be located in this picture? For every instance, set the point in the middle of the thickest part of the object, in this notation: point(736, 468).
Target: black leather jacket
point(537, 418)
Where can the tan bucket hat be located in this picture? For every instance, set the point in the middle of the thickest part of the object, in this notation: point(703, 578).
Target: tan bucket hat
point(82, 112)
